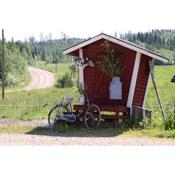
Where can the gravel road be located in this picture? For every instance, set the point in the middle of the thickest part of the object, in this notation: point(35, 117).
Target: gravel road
point(40, 79)
point(27, 139)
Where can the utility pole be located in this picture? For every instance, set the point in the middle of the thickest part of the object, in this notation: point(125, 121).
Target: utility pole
point(2, 65)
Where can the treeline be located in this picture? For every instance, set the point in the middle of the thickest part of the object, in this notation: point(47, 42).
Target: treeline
point(18, 54)
point(21, 53)
point(160, 41)
point(15, 65)
point(50, 51)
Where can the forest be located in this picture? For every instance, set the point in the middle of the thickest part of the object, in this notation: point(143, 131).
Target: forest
point(18, 54)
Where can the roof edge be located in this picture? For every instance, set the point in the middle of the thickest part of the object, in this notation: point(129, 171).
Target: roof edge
point(121, 42)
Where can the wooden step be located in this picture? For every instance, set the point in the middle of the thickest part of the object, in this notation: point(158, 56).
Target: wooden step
point(114, 117)
point(110, 108)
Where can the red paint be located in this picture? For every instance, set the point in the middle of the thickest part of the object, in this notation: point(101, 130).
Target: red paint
point(142, 81)
point(97, 83)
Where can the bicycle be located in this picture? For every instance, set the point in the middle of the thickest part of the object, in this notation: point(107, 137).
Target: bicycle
point(64, 112)
point(92, 114)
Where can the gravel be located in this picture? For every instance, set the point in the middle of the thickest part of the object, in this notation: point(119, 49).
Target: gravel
point(26, 139)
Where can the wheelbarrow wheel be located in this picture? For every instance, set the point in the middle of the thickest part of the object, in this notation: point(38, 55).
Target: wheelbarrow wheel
point(92, 116)
point(55, 113)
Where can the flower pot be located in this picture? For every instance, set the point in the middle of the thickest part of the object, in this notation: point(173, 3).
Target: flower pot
point(115, 89)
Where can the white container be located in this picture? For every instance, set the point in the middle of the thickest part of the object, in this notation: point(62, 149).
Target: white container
point(81, 100)
point(115, 89)
point(69, 100)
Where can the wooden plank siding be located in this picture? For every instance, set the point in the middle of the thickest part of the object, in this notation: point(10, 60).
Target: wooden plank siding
point(97, 82)
point(142, 81)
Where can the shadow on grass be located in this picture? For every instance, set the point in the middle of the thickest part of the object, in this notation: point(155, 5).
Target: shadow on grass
point(78, 131)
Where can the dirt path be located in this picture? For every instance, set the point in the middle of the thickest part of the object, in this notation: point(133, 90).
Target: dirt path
point(40, 79)
point(28, 139)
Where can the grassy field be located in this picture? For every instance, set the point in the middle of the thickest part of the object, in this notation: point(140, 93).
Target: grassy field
point(166, 88)
point(28, 105)
point(55, 68)
point(21, 85)
point(84, 132)
point(166, 91)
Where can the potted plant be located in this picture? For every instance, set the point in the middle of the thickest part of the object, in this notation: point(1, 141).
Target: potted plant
point(110, 64)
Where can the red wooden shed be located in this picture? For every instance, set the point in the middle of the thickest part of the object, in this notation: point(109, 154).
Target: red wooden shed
point(135, 77)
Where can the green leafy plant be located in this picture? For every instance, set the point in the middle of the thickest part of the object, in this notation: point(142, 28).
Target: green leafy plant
point(110, 63)
point(64, 81)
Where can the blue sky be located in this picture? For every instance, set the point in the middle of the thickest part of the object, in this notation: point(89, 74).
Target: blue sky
point(78, 18)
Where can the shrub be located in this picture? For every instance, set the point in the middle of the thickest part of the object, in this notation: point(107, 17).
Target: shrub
point(64, 81)
point(170, 122)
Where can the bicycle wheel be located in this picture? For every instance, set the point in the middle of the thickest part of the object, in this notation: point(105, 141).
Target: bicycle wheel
point(92, 116)
point(56, 112)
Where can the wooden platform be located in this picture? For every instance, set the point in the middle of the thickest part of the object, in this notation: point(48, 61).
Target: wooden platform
point(121, 112)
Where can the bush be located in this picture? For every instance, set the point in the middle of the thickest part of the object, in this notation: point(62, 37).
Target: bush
point(61, 127)
point(11, 79)
point(64, 81)
point(15, 68)
point(170, 122)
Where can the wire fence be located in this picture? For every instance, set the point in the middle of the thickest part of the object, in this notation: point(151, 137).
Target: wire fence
point(24, 105)
point(156, 107)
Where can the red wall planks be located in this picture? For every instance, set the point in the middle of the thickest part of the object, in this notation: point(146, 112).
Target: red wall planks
point(142, 81)
point(97, 82)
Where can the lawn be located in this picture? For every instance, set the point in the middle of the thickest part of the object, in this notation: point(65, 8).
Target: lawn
point(28, 105)
point(55, 68)
point(166, 90)
point(165, 87)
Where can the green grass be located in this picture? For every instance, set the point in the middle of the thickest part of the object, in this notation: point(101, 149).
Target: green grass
point(58, 69)
point(84, 132)
point(28, 105)
point(23, 83)
point(166, 91)
point(55, 68)
point(20, 106)
point(16, 129)
point(165, 87)
point(168, 54)
point(155, 132)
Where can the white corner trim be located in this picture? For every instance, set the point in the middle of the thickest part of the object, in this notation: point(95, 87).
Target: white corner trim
point(81, 73)
point(146, 91)
point(134, 79)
